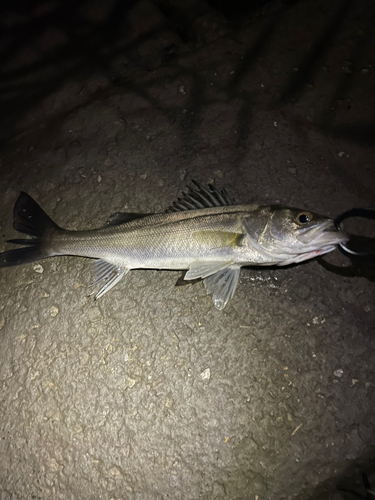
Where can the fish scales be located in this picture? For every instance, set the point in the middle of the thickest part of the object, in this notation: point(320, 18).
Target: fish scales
point(163, 241)
point(203, 233)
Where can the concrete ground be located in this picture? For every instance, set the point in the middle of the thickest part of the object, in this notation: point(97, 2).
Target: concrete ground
point(150, 392)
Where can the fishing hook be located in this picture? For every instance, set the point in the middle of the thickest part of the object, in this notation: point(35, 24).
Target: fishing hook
point(366, 213)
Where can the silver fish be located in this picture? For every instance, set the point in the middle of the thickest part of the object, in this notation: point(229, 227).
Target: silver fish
point(203, 232)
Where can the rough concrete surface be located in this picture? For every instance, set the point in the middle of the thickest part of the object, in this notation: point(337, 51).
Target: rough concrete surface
point(150, 392)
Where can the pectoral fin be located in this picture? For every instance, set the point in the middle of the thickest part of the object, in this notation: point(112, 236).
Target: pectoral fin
point(222, 285)
point(182, 282)
point(202, 269)
point(109, 273)
point(218, 239)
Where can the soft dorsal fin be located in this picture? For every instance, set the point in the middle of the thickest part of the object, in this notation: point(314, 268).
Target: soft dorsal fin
point(201, 197)
point(122, 217)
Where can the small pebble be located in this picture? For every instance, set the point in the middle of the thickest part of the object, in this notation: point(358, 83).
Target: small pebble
point(54, 311)
point(182, 89)
point(99, 178)
point(206, 374)
point(338, 373)
point(114, 471)
point(341, 154)
point(38, 268)
point(130, 382)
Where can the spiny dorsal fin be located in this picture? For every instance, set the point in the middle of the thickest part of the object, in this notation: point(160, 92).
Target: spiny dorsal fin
point(122, 217)
point(201, 197)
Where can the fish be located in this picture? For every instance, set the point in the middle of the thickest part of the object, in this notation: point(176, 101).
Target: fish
point(204, 232)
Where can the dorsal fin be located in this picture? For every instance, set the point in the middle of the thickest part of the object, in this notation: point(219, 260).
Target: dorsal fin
point(201, 197)
point(122, 217)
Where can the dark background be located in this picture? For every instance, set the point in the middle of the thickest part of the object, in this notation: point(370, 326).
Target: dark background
point(150, 393)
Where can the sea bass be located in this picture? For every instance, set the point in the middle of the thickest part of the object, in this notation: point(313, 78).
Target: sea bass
point(203, 232)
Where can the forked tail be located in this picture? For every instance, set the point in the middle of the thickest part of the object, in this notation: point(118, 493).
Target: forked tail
point(30, 219)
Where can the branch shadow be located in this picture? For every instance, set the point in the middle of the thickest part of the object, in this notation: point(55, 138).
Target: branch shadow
point(308, 66)
point(92, 46)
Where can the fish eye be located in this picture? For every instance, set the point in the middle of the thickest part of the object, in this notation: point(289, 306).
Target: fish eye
point(303, 217)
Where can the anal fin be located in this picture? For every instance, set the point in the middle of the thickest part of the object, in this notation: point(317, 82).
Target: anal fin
point(222, 285)
point(109, 273)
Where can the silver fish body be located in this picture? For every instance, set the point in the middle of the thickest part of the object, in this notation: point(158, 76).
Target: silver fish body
point(167, 241)
point(204, 234)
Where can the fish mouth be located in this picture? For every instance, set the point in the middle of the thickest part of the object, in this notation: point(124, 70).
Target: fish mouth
point(317, 239)
point(321, 235)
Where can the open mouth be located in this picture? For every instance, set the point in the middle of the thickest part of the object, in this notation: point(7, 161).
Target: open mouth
point(322, 235)
point(317, 239)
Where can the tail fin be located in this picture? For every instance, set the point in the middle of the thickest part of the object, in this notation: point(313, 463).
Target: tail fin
point(30, 219)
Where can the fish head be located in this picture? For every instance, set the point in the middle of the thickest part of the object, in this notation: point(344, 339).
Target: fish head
point(289, 235)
